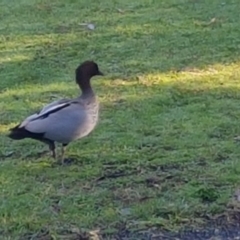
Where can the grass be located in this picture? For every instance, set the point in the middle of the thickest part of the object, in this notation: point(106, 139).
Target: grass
point(163, 154)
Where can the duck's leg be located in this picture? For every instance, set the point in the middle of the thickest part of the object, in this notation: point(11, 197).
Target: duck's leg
point(52, 149)
point(64, 145)
point(51, 146)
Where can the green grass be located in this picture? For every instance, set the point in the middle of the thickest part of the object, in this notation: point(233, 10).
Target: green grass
point(170, 109)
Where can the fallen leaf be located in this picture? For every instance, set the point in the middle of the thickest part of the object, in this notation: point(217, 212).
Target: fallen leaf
point(8, 154)
point(213, 20)
point(125, 211)
point(237, 138)
point(120, 10)
point(237, 195)
point(94, 235)
point(91, 26)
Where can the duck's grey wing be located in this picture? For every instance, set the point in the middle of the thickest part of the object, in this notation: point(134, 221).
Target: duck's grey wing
point(62, 123)
point(45, 109)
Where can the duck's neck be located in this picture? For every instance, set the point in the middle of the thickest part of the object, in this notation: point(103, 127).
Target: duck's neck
point(86, 88)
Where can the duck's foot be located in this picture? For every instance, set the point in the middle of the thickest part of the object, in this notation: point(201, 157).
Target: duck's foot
point(68, 161)
point(64, 162)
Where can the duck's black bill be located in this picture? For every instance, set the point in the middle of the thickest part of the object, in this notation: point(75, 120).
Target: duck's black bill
point(100, 73)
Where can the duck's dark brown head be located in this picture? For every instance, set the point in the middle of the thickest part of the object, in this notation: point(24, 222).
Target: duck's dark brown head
point(86, 71)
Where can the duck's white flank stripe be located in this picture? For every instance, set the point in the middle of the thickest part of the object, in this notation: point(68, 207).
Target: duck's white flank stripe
point(32, 117)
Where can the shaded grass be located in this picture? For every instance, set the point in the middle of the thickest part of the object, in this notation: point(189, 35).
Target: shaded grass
point(163, 154)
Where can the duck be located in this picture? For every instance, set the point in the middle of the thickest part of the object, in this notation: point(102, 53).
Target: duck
point(66, 120)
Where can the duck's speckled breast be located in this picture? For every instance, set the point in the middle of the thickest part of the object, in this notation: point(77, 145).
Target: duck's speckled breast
point(92, 116)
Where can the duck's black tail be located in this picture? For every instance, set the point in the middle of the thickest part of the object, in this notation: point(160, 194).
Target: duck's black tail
point(17, 133)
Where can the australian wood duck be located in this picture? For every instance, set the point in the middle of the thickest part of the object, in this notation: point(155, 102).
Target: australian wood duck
point(65, 120)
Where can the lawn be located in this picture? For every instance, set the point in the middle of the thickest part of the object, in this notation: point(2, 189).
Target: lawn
point(163, 155)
